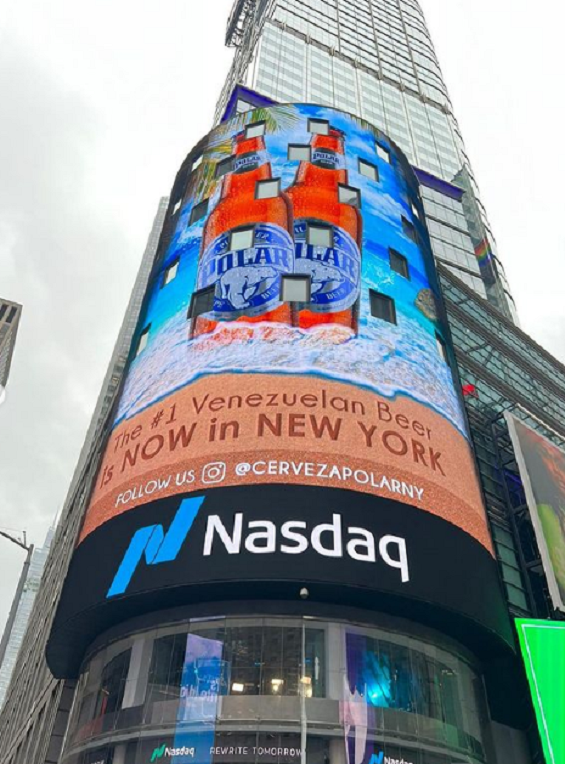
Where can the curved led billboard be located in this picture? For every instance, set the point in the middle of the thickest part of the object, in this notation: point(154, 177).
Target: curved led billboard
point(290, 413)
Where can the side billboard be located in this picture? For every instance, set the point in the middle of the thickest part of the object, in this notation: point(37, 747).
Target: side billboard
point(542, 469)
point(292, 352)
point(543, 650)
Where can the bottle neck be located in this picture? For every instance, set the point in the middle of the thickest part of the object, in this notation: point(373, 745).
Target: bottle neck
point(250, 164)
point(327, 162)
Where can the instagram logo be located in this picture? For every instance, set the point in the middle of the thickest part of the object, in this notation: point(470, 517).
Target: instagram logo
point(215, 472)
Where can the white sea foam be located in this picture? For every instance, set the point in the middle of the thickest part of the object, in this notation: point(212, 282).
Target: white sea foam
point(391, 360)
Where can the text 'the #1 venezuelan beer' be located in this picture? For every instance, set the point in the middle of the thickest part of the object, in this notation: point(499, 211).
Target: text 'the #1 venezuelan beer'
point(247, 244)
point(335, 264)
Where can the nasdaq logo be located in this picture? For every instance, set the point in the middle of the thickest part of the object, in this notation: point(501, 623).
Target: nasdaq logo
point(382, 759)
point(155, 545)
point(158, 753)
point(164, 750)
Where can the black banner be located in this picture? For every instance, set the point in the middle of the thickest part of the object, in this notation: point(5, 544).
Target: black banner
point(301, 544)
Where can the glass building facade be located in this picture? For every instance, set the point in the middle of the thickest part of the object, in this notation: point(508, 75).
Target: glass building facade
point(279, 689)
point(23, 612)
point(374, 59)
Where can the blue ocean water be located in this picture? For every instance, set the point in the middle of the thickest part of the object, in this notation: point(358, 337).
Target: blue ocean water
point(392, 360)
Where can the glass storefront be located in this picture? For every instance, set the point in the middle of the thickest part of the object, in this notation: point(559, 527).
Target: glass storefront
point(280, 690)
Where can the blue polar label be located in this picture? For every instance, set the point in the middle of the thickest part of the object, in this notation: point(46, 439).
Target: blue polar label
point(248, 281)
point(335, 271)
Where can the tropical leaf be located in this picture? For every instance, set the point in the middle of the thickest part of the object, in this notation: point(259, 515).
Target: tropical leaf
point(221, 141)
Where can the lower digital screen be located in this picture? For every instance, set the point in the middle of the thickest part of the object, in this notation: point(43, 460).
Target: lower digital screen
point(273, 542)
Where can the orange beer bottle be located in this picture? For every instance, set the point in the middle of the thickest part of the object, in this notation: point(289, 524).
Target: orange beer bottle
point(335, 270)
point(248, 280)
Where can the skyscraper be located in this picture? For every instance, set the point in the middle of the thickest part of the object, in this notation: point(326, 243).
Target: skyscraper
point(285, 556)
point(12, 639)
point(374, 59)
point(10, 313)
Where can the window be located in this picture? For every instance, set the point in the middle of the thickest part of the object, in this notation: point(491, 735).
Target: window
point(197, 162)
point(408, 229)
point(242, 106)
point(223, 167)
point(268, 189)
point(383, 153)
point(319, 235)
point(3, 309)
point(382, 306)
point(176, 208)
point(11, 314)
point(368, 170)
point(319, 126)
point(349, 195)
point(170, 273)
point(202, 301)
point(199, 212)
point(255, 130)
point(143, 340)
point(442, 347)
point(299, 152)
point(398, 263)
point(296, 288)
point(243, 238)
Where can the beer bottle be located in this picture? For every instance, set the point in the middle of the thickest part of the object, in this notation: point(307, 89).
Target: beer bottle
point(247, 280)
point(335, 270)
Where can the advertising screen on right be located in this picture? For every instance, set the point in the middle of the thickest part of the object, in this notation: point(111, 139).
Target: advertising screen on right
point(542, 468)
point(543, 650)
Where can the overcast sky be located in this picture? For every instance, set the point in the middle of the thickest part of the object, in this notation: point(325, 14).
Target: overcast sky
point(99, 104)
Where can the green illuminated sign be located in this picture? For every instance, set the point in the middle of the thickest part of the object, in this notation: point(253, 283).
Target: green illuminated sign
point(543, 650)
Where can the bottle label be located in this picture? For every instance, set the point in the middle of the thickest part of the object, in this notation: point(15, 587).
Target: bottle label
point(335, 271)
point(328, 159)
point(248, 162)
point(248, 281)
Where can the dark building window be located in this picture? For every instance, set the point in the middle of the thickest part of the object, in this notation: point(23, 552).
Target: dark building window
point(268, 189)
point(382, 306)
point(170, 273)
point(442, 347)
point(11, 314)
point(398, 263)
point(383, 153)
point(242, 106)
point(318, 235)
point(143, 340)
point(349, 195)
point(369, 170)
point(165, 677)
point(319, 126)
point(298, 152)
point(199, 212)
point(408, 228)
point(3, 309)
point(296, 288)
point(224, 167)
point(255, 130)
point(242, 238)
point(202, 301)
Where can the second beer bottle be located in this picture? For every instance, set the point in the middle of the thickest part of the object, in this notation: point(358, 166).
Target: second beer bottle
point(247, 243)
point(328, 234)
